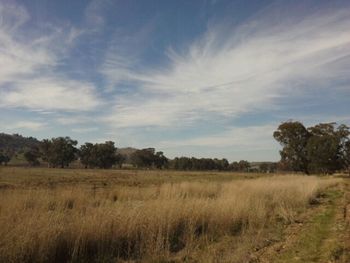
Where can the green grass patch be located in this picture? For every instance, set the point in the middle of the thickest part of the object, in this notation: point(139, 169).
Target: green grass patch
point(310, 247)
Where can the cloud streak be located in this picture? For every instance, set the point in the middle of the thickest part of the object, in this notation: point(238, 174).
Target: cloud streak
point(50, 94)
point(224, 89)
point(229, 72)
point(29, 77)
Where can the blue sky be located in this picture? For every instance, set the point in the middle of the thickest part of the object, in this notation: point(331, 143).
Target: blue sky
point(191, 78)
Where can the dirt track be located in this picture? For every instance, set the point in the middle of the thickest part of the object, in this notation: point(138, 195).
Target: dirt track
point(321, 235)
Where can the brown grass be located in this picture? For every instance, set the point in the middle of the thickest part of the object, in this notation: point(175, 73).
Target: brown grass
point(151, 222)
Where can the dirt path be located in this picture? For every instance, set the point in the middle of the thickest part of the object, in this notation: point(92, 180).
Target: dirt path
point(321, 235)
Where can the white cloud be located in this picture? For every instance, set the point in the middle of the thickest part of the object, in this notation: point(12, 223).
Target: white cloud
point(17, 57)
point(135, 112)
point(227, 73)
point(12, 16)
point(50, 93)
point(28, 74)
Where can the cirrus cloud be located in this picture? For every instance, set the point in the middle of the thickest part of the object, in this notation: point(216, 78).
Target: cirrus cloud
point(29, 75)
point(228, 72)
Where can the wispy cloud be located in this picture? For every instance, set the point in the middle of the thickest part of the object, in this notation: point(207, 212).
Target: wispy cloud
point(228, 72)
point(17, 56)
point(113, 77)
point(94, 14)
point(124, 54)
point(29, 77)
point(50, 93)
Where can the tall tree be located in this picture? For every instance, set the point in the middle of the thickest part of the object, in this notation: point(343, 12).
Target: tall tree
point(293, 137)
point(120, 159)
point(326, 147)
point(143, 158)
point(102, 155)
point(243, 165)
point(3, 159)
point(45, 149)
point(87, 155)
point(106, 154)
point(234, 166)
point(6, 156)
point(347, 156)
point(322, 154)
point(59, 152)
point(32, 156)
point(318, 149)
point(160, 161)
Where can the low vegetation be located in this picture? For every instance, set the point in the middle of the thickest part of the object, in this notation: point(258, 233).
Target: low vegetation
point(159, 214)
point(157, 221)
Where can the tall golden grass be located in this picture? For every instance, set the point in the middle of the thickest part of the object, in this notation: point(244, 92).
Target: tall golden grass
point(143, 223)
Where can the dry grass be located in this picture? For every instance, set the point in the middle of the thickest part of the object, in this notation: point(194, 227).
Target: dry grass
point(152, 222)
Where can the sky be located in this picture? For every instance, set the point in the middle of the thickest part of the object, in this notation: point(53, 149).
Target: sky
point(191, 78)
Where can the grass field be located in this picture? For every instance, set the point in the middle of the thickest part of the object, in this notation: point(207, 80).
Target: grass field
point(57, 215)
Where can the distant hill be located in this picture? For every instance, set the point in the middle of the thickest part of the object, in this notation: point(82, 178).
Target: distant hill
point(16, 142)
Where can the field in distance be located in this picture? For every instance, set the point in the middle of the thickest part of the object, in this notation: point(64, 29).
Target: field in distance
point(71, 215)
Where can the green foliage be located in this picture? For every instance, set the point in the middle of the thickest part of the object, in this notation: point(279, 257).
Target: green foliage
point(241, 166)
point(4, 158)
point(267, 167)
point(322, 154)
point(293, 136)
point(147, 158)
point(32, 155)
point(16, 142)
point(102, 155)
point(87, 155)
point(322, 148)
point(195, 164)
point(160, 160)
point(105, 154)
point(347, 155)
point(59, 152)
point(120, 159)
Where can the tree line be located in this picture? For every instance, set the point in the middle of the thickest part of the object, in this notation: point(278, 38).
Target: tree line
point(62, 151)
point(323, 148)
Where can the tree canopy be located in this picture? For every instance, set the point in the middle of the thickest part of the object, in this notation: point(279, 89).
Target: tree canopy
point(101, 155)
point(293, 137)
point(59, 152)
point(32, 155)
point(322, 148)
point(148, 158)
